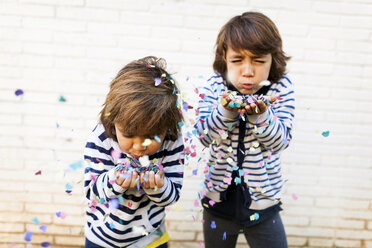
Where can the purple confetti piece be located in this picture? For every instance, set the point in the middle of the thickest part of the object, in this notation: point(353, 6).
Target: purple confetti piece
point(157, 81)
point(43, 228)
point(28, 236)
point(18, 92)
point(114, 203)
point(45, 244)
point(224, 236)
point(213, 224)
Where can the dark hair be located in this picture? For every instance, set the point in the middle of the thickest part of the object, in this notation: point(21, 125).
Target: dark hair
point(138, 106)
point(255, 32)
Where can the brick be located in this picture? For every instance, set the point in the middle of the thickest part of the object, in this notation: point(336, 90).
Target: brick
point(310, 231)
point(337, 223)
point(27, 10)
point(329, 202)
point(313, 242)
point(185, 226)
point(56, 2)
point(295, 221)
point(175, 235)
point(87, 14)
point(348, 243)
point(68, 240)
point(368, 244)
point(342, 8)
point(353, 234)
point(70, 220)
point(296, 241)
point(12, 227)
point(174, 244)
point(53, 24)
point(10, 21)
point(57, 230)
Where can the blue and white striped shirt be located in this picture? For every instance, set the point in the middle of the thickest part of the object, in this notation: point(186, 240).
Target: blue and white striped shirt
point(266, 136)
point(139, 217)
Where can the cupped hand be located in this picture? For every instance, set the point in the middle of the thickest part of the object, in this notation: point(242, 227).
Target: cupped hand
point(127, 180)
point(150, 180)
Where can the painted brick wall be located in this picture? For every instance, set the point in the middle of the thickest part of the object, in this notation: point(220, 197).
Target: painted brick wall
point(71, 49)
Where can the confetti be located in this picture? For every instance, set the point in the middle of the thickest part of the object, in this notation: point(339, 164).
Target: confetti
point(211, 202)
point(213, 224)
point(114, 204)
point(294, 196)
point(38, 173)
point(43, 228)
point(45, 244)
point(157, 139)
point(265, 83)
point(28, 236)
point(146, 142)
point(61, 214)
point(157, 81)
point(325, 133)
point(62, 99)
point(19, 92)
point(224, 236)
point(35, 221)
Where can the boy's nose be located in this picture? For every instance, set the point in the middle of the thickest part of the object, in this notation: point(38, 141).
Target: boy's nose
point(248, 69)
point(138, 146)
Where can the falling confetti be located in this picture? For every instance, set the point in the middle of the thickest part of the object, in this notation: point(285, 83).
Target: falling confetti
point(28, 236)
point(325, 133)
point(62, 99)
point(38, 173)
point(157, 81)
point(18, 92)
point(43, 228)
point(294, 196)
point(45, 244)
point(213, 224)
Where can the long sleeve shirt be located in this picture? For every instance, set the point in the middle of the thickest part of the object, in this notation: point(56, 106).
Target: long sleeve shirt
point(266, 136)
point(118, 217)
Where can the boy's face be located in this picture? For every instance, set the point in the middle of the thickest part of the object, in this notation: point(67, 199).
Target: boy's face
point(246, 70)
point(134, 145)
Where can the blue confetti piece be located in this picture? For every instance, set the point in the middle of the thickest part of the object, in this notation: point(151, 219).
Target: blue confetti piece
point(36, 221)
point(43, 228)
point(213, 224)
point(157, 139)
point(237, 180)
point(112, 226)
point(28, 236)
point(325, 134)
point(76, 165)
point(224, 236)
point(68, 187)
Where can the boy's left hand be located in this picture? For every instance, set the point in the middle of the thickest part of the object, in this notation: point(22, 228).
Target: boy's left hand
point(152, 179)
point(260, 107)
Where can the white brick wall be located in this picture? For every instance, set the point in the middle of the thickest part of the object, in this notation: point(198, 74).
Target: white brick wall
point(73, 48)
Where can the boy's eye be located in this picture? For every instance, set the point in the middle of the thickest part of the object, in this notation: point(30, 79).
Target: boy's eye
point(235, 61)
point(260, 61)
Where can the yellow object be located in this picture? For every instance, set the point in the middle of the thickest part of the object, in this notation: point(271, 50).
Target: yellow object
point(162, 240)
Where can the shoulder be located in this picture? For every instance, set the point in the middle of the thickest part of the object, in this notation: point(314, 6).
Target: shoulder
point(284, 82)
point(214, 83)
point(98, 136)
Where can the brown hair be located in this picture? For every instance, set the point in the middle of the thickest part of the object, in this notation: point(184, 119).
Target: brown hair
point(255, 32)
point(138, 106)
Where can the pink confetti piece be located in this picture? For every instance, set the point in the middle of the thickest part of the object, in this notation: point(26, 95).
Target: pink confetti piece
point(38, 173)
point(294, 196)
point(211, 202)
point(196, 203)
point(115, 154)
point(201, 244)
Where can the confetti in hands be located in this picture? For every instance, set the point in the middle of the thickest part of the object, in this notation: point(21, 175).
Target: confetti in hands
point(249, 104)
point(131, 173)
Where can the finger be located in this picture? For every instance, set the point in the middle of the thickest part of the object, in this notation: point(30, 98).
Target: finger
point(261, 107)
point(134, 180)
point(127, 180)
point(145, 180)
point(152, 179)
point(159, 179)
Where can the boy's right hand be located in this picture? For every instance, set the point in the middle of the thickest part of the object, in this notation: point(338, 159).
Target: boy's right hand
point(127, 180)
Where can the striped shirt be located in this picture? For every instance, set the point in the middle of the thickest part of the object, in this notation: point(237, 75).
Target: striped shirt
point(266, 136)
point(118, 217)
